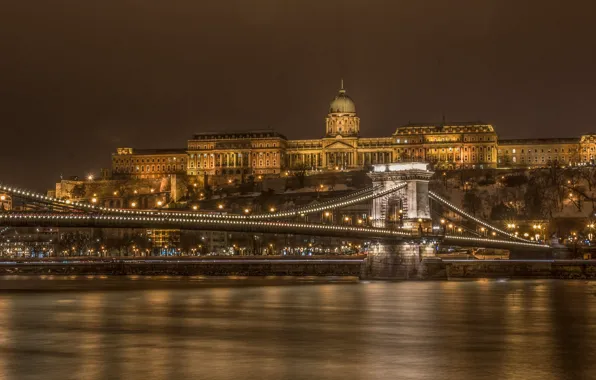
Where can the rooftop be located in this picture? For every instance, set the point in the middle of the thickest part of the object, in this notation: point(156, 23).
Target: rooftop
point(263, 133)
point(556, 140)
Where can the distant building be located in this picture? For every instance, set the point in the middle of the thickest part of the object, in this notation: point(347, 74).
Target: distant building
point(222, 157)
point(148, 163)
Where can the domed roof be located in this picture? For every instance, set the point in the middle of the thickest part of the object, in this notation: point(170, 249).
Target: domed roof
point(342, 103)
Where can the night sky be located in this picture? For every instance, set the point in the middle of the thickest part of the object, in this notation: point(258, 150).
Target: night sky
point(80, 78)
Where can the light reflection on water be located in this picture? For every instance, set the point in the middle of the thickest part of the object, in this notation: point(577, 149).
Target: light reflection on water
point(171, 328)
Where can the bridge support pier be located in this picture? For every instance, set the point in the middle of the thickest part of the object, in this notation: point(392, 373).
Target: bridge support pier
point(403, 261)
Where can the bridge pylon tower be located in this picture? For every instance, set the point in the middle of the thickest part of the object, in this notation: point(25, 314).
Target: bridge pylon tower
point(411, 204)
point(410, 209)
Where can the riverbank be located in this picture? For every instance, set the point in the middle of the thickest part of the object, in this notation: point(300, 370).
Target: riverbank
point(284, 266)
point(557, 269)
point(189, 266)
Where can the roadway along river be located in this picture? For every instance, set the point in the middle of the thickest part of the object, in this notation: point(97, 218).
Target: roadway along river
point(168, 328)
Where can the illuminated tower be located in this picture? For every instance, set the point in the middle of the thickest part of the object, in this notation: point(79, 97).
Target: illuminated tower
point(342, 119)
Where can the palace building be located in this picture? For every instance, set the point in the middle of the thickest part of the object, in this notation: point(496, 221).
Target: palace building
point(217, 156)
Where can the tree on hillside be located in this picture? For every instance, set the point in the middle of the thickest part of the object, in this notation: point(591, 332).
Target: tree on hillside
point(588, 173)
point(299, 171)
point(501, 211)
point(472, 202)
point(542, 197)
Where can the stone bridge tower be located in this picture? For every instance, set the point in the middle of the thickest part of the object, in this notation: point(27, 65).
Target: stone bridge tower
point(408, 209)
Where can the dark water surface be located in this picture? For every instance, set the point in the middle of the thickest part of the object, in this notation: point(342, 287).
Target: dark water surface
point(168, 328)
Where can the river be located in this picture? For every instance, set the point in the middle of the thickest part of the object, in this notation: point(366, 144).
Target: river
point(171, 328)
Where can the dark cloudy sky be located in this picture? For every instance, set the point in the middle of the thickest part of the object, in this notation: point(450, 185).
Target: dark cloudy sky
point(79, 78)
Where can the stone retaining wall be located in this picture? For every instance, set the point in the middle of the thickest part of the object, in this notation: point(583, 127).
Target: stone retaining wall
point(188, 269)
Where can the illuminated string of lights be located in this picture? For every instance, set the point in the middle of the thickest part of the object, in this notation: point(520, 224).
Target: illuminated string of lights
point(106, 220)
point(336, 203)
point(451, 206)
point(352, 198)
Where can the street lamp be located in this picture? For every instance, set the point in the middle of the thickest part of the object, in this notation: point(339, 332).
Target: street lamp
point(272, 209)
point(134, 204)
point(195, 207)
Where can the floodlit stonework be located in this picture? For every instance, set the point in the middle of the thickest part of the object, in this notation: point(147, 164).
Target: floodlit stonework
point(220, 157)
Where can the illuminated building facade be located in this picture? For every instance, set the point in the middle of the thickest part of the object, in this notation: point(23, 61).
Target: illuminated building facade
point(220, 157)
point(148, 163)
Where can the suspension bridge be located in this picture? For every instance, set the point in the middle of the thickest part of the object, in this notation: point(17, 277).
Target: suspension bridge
point(402, 187)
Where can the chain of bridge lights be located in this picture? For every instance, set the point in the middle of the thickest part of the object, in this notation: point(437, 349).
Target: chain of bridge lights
point(119, 219)
point(329, 205)
point(465, 214)
point(87, 207)
point(335, 203)
point(295, 227)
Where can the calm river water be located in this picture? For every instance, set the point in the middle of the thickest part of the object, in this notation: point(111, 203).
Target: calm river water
point(169, 328)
